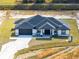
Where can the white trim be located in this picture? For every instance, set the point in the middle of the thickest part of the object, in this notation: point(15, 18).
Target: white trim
point(34, 31)
point(41, 32)
point(48, 24)
point(59, 32)
point(17, 32)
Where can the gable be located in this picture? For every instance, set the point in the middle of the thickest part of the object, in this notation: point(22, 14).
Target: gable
point(47, 25)
point(45, 21)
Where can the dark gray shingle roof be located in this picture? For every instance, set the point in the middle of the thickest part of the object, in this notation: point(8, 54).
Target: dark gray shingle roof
point(25, 25)
point(37, 21)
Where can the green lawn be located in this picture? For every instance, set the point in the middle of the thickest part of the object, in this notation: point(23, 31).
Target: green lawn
point(73, 29)
point(5, 30)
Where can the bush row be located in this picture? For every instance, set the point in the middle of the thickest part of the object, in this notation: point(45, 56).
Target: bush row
point(40, 7)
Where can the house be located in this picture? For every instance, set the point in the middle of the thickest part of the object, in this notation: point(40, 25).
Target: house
point(40, 26)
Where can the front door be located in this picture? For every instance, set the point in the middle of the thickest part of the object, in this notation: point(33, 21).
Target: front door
point(47, 32)
point(55, 33)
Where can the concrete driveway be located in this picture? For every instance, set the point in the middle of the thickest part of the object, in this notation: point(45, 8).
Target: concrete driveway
point(9, 49)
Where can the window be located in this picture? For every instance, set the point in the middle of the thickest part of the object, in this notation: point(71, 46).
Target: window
point(63, 32)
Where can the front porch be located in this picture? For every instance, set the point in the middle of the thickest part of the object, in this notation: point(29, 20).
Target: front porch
point(41, 33)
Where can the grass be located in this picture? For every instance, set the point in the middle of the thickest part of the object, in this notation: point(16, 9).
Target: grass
point(44, 46)
point(46, 53)
point(5, 2)
point(74, 54)
point(5, 30)
point(73, 29)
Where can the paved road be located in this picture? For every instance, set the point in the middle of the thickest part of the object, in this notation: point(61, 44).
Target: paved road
point(9, 49)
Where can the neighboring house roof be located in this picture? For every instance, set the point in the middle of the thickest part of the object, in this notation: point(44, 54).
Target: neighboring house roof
point(40, 22)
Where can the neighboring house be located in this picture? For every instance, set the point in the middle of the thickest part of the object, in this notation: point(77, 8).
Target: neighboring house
point(40, 26)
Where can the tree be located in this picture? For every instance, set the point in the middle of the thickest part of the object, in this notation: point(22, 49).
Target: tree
point(48, 1)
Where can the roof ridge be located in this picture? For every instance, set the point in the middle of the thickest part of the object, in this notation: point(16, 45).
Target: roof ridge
point(33, 17)
point(59, 21)
point(40, 22)
point(51, 21)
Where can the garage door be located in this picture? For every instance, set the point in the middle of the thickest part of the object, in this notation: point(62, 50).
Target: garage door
point(25, 31)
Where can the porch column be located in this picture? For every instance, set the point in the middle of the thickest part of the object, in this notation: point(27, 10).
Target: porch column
point(41, 32)
point(59, 32)
point(34, 31)
point(17, 32)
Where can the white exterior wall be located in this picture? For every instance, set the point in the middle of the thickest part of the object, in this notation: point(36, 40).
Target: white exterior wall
point(67, 32)
point(17, 32)
point(34, 31)
point(59, 32)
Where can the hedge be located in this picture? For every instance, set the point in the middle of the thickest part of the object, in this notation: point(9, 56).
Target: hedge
point(40, 7)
